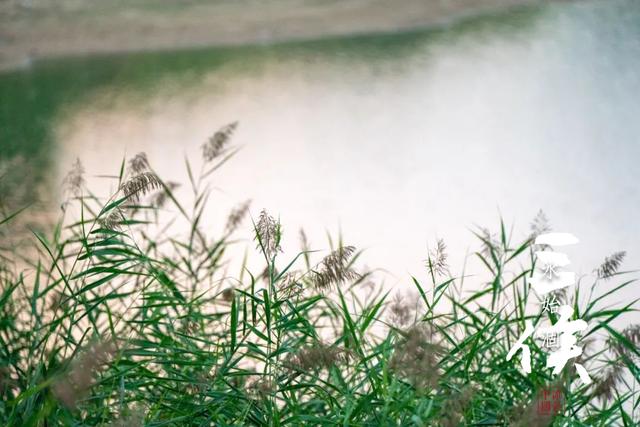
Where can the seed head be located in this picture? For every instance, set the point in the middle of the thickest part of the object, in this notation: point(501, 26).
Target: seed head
point(140, 184)
point(540, 225)
point(217, 144)
point(261, 388)
point(455, 407)
point(401, 312)
point(130, 418)
point(416, 357)
point(334, 269)
point(318, 356)
point(437, 260)
point(290, 286)
point(610, 265)
point(139, 164)
point(227, 294)
point(160, 197)
point(607, 383)
point(74, 181)
point(630, 333)
point(490, 243)
point(77, 382)
point(58, 301)
point(237, 215)
point(268, 234)
point(113, 220)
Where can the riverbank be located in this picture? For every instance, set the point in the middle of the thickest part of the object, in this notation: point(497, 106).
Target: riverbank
point(33, 29)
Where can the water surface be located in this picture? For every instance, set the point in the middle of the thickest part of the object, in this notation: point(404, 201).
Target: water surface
point(394, 139)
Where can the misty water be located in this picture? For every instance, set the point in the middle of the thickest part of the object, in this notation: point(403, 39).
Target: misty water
point(394, 140)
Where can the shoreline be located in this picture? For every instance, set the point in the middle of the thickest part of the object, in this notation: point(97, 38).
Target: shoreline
point(38, 33)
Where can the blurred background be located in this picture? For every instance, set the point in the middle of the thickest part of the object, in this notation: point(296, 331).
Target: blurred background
point(394, 123)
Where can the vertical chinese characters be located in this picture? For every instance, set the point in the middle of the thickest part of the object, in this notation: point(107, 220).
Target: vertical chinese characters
point(548, 277)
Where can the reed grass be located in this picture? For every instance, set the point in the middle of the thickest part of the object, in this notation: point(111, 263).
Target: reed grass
point(118, 322)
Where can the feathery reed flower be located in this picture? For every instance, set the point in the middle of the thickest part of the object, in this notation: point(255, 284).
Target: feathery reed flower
point(130, 418)
point(610, 265)
point(77, 382)
point(539, 225)
point(437, 260)
point(74, 180)
point(607, 383)
point(455, 406)
point(632, 334)
point(227, 294)
point(139, 164)
point(335, 269)
point(113, 220)
point(416, 357)
point(217, 144)
point(237, 215)
point(401, 312)
point(140, 184)
point(318, 356)
point(160, 197)
point(261, 387)
point(266, 273)
point(490, 243)
point(290, 286)
point(58, 301)
point(192, 327)
point(268, 234)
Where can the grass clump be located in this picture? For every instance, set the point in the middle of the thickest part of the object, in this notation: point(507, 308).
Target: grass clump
point(117, 320)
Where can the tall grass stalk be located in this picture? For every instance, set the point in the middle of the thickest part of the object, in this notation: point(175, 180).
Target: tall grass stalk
point(119, 321)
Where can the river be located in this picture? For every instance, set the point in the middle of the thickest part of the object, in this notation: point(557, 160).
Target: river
point(395, 140)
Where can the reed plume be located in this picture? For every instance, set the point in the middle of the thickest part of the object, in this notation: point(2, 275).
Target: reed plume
point(227, 294)
point(416, 357)
point(237, 215)
point(139, 164)
point(130, 418)
point(607, 383)
point(140, 184)
point(455, 407)
point(437, 260)
point(160, 197)
point(610, 265)
point(490, 243)
point(335, 269)
point(290, 286)
point(632, 335)
point(401, 312)
point(317, 357)
point(113, 220)
point(539, 225)
point(74, 180)
point(268, 234)
point(76, 383)
point(262, 387)
point(217, 144)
